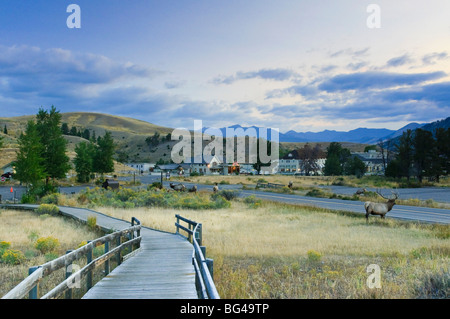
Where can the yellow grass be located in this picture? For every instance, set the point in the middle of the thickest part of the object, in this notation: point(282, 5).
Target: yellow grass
point(22, 228)
point(263, 253)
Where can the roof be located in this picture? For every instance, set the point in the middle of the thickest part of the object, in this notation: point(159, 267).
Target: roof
point(168, 167)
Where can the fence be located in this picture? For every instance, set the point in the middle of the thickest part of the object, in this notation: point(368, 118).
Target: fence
point(30, 284)
point(203, 266)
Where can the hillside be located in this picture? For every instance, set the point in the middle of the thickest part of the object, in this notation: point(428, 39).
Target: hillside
point(129, 134)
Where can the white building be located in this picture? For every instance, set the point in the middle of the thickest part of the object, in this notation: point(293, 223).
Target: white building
point(142, 168)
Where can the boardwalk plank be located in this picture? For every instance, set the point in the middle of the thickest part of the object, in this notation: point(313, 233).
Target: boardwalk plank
point(162, 269)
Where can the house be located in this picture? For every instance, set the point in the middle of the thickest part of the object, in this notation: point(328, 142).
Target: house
point(142, 167)
point(373, 161)
point(292, 164)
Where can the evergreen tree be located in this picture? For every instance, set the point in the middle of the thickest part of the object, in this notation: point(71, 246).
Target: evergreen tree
point(332, 165)
point(84, 161)
point(441, 161)
point(5, 130)
point(1, 141)
point(424, 152)
point(103, 158)
point(405, 153)
point(56, 162)
point(65, 129)
point(29, 162)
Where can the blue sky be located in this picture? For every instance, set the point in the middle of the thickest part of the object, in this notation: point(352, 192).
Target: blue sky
point(287, 64)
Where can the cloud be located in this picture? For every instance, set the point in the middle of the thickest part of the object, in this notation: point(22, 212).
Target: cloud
point(375, 80)
point(350, 52)
point(278, 74)
point(399, 61)
point(431, 58)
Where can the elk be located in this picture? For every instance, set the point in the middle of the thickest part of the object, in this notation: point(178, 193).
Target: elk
point(215, 188)
point(178, 187)
point(291, 184)
point(360, 191)
point(380, 208)
point(193, 189)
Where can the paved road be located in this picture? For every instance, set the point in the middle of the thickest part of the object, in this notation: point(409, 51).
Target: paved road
point(423, 214)
point(438, 194)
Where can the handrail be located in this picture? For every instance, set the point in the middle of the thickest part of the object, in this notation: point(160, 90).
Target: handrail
point(29, 284)
point(203, 266)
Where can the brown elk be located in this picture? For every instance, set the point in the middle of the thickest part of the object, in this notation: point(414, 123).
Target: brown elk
point(360, 191)
point(381, 209)
point(193, 189)
point(178, 187)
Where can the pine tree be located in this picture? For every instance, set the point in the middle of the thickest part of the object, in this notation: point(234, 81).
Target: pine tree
point(84, 161)
point(424, 151)
point(29, 162)
point(103, 158)
point(56, 162)
point(405, 153)
point(5, 130)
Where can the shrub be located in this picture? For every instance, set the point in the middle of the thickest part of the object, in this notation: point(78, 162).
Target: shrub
point(314, 256)
point(12, 257)
point(4, 245)
point(252, 201)
point(227, 194)
point(51, 199)
point(50, 209)
point(46, 244)
point(92, 222)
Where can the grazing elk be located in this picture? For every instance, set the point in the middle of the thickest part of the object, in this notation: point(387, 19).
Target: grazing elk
point(215, 188)
point(380, 208)
point(178, 187)
point(193, 189)
point(291, 184)
point(360, 191)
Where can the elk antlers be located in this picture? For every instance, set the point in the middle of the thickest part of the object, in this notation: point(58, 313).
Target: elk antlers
point(393, 193)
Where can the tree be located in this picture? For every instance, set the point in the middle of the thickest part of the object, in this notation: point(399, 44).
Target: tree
point(56, 162)
point(337, 156)
point(1, 141)
point(5, 130)
point(84, 161)
point(103, 158)
point(424, 153)
point(29, 162)
point(309, 157)
point(405, 153)
point(65, 129)
point(441, 162)
point(354, 166)
point(332, 165)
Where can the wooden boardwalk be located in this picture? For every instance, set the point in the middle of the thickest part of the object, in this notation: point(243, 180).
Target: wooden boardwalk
point(161, 269)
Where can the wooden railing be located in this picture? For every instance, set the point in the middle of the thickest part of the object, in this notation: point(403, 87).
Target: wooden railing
point(203, 266)
point(30, 284)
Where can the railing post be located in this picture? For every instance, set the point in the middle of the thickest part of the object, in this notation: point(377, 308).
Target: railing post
point(178, 222)
point(107, 268)
point(89, 274)
point(118, 242)
point(33, 294)
point(210, 265)
point(199, 234)
point(69, 270)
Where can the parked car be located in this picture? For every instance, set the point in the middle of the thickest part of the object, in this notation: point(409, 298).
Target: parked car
point(7, 175)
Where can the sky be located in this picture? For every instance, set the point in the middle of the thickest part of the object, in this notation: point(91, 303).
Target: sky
point(298, 65)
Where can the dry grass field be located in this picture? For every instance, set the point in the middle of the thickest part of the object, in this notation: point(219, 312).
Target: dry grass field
point(284, 251)
point(22, 229)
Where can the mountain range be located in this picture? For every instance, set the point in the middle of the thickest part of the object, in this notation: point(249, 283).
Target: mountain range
point(359, 135)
